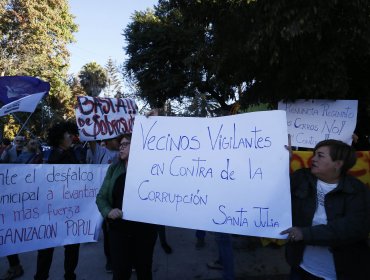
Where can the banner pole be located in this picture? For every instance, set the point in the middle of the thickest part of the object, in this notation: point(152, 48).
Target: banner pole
point(23, 124)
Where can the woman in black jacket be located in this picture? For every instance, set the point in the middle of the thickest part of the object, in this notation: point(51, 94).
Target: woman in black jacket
point(330, 212)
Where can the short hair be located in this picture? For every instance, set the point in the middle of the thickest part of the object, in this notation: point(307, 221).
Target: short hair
point(339, 150)
point(56, 133)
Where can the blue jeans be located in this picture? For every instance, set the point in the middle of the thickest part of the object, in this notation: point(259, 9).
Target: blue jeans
point(225, 255)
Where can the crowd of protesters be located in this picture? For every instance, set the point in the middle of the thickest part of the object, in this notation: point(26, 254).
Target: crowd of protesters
point(330, 210)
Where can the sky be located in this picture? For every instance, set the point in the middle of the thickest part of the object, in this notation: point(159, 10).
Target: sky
point(101, 24)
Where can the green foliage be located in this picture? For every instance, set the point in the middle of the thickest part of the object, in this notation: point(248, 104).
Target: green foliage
point(33, 41)
point(93, 78)
point(256, 108)
point(273, 50)
point(114, 83)
point(168, 58)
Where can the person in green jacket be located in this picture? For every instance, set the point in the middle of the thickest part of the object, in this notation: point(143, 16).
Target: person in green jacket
point(131, 243)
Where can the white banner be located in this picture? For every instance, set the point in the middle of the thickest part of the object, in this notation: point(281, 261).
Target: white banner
point(226, 174)
point(48, 205)
point(24, 104)
point(311, 121)
point(103, 118)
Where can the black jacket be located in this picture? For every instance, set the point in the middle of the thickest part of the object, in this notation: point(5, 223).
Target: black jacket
point(347, 230)
point(60, 156)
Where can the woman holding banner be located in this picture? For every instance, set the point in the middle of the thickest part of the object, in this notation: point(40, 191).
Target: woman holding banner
point(331, 222)
point(60, 139)
point(131, 243)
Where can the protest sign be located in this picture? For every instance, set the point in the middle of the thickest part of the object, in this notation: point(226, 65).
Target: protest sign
point(48, 205)
point(226, 174)
point(24, 104)
point(311, 121)
point(103, 118)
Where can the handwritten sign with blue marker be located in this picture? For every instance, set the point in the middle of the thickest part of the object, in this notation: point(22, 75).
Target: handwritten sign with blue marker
point(311, 121)
point(48, 205)
point(227, 174)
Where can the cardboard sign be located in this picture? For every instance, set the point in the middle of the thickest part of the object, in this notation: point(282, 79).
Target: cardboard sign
point(104, 118)
point(226, 174)
point(311, 121)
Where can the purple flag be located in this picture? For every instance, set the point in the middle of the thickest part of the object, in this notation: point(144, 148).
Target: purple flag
point(15, 87)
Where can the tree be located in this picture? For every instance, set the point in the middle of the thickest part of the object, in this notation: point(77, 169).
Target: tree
point(172, 59)
point(114, 84)
point(273, 50)
point(93, 78)
point(33, 41)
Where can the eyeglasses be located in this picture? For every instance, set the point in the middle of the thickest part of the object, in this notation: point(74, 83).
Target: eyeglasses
point(124, 145)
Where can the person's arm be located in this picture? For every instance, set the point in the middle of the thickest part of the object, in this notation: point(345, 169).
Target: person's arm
point(102, 199)
point(289, 146)
point(155, 112)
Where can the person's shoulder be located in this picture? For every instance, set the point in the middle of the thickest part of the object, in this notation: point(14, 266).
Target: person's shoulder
point(115, 165)
point(301, 181)
point(55, 155)
point(355, 184)
point(112, 153)
point(302, 172)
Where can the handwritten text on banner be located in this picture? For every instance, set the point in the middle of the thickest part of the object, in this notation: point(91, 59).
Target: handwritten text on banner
point(311, 121)
point(103, 118)
point(226, 174)
point(47, 205)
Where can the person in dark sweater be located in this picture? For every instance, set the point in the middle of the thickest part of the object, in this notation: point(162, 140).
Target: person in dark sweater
point(60, 139)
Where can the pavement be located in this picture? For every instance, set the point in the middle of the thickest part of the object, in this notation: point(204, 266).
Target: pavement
point(252, 260)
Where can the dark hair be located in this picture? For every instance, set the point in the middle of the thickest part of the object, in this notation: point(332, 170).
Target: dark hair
point(127, 136)
point(339, 150)
point(56, 133)
point(6, 141)
point(72, 127)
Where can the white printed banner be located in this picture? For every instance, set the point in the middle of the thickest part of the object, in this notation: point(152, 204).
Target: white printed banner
point(226, 174)
point(48, 205)
point(101, 118)
point(311, 121)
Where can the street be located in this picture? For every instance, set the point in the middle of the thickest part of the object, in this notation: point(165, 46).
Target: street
point(251, 260)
